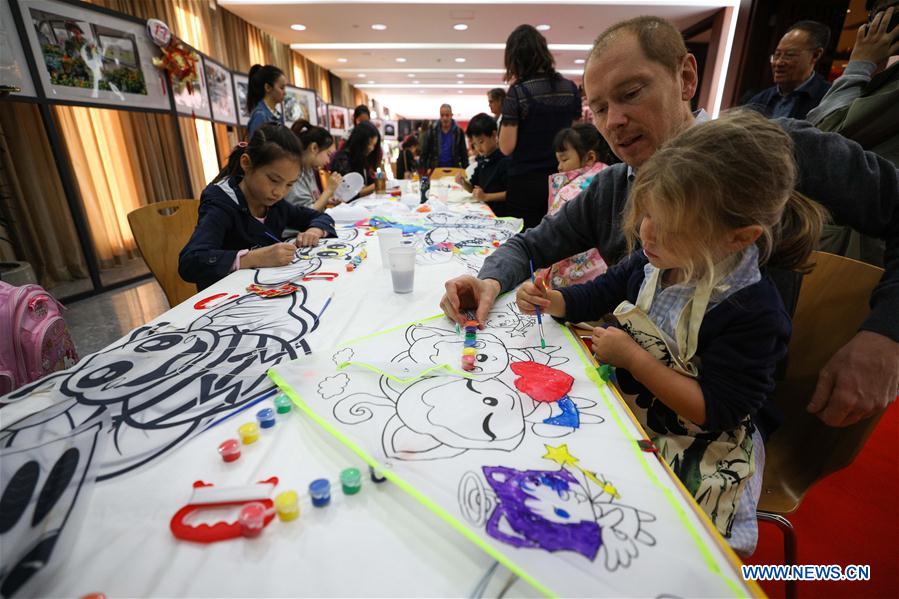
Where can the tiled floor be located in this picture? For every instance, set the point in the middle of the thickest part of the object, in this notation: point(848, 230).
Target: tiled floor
point(98, 321)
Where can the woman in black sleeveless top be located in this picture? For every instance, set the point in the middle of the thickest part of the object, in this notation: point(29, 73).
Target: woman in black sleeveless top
point(539, 104)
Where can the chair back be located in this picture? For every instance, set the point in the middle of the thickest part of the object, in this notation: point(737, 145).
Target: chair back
point(833, 302)
point(443, 173)
point(161, 230)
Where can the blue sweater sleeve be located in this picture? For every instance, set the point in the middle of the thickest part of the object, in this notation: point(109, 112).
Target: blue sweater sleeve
point(591, 300)
point(738, 362)
point(203, 261)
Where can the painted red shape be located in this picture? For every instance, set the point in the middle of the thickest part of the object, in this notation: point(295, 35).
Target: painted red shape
point(541, 383)
point(209, 302)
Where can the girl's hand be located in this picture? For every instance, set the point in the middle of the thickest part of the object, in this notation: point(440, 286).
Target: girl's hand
point(309, 237)
point(614, 346)
point(278, 254)
point(334, 181)
point(479, 194)
point(528, 296)
point(460, 179)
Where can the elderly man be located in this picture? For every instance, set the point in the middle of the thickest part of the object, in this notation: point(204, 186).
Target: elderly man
point(797, 87)
point(639, 80)
point(495, 98)
point(444, 145)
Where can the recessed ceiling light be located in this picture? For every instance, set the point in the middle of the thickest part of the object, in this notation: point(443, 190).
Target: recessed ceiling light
point(341, 60)
point(421, 91)
point(543, 27)
point(459, 59)
point(460, 26)
point(578, 61)
point(361, 75)
point(400, 59)
point(460, 75)
point(298, 27)
point(460, 91)
point(379, 27)
point(410, 75)
point(371, 82)
point(416, 82)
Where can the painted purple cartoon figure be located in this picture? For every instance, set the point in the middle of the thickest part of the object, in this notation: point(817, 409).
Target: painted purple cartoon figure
point(543, 509)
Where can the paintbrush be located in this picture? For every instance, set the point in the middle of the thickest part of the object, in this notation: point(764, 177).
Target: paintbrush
point(537, 308)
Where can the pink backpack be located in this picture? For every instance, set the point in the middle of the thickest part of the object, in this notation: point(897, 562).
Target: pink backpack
point(34, 338)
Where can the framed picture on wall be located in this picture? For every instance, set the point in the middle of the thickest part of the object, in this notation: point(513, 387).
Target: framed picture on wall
point(321, 109)
point(299, 103)
point(221, 92)
point(91, 57)
point(338, 118)
point(404, 129)
point(241, 84)
point(194, 101)
point(13, 66)
point(390, 130)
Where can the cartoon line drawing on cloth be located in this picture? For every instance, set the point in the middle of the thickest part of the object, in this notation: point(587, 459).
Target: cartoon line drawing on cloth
point(309, 259)
point(569, 509)
point(42, 479)
point(439, 417)
point(345, 244)
point(467, 231)
point(511, 319)
point(164, 383)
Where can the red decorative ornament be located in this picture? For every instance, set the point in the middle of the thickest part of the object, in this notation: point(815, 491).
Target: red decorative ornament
point(178, 61)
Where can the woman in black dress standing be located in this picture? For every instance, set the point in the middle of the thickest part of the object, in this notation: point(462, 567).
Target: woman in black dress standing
point(539, 104)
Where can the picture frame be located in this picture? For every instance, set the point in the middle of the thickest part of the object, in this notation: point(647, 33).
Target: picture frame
point(390, 129)
point(241, 85)
point(299, 103)
point(194, 102)
point(338, 120)
point(14, 70)
point(87, 56)
point(321, 109)
point(220, 85)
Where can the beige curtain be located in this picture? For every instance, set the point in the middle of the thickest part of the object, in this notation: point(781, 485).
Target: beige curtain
point(194, 156)
point(108, 178)
point(41, 226)
point(225, 139)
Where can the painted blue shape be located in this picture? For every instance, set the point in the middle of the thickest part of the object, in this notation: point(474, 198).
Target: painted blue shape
point(470, 343)
point(561, 513)
point(569, 416)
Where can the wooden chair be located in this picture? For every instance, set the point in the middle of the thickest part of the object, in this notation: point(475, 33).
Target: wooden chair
point(443, 173)
point(833, 302)
point(161, 230)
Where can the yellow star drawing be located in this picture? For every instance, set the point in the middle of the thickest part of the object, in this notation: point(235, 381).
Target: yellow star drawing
point(559, 455)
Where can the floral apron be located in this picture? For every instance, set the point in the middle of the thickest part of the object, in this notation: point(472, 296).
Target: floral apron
point(713, 466)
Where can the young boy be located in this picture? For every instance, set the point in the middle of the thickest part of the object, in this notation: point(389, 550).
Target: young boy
point(488, 182)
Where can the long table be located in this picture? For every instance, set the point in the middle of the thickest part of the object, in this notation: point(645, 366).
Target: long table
point(173, 390)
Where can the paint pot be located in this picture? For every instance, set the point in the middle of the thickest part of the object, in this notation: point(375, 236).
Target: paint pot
point(320, 492)
point(351, 481)
point(249, 433)
point(252, 519)
point(229, 449)
point(266, 417)
point(287, 506)
point(283, 404)
point(376, 477)
point(469, 351)
point(470, 342)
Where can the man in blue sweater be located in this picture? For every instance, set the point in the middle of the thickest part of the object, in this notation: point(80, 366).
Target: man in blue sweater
point(639, 84)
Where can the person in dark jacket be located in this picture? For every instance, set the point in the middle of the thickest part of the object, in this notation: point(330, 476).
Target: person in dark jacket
point(797, 87)
point(361, 154)
point(407, 162)
point(242, 212)
point(444, 145)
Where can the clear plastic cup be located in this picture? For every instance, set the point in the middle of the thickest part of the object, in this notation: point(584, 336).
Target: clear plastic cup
point(402, 268)
point(388, 238)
